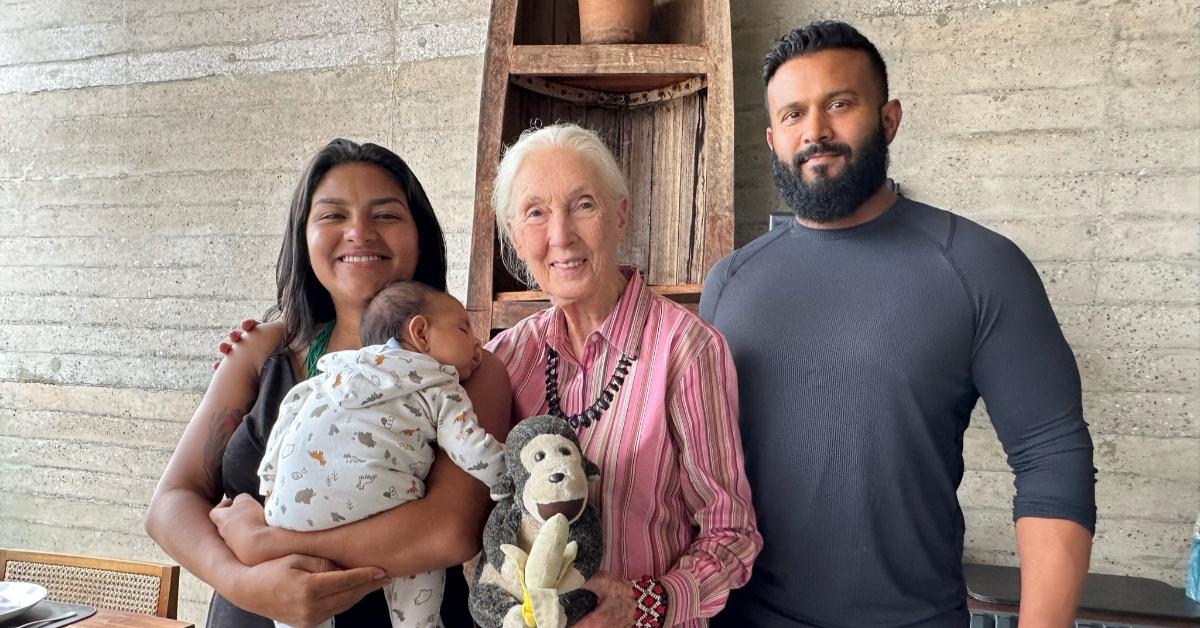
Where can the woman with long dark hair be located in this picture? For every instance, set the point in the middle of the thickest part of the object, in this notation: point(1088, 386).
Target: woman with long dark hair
point(359, 219)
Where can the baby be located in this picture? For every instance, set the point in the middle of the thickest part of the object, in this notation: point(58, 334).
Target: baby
point(358, 438)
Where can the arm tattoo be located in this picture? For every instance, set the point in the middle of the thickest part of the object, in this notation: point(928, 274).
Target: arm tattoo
point(223, 424)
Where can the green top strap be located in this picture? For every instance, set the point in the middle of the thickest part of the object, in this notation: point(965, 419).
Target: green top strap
point(317, 349)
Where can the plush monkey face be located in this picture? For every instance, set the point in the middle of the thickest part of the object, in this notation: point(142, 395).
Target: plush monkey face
point(557, 483)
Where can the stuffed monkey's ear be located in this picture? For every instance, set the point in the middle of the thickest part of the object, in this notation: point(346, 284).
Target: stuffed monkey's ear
point(503, 488)
point(591, 470)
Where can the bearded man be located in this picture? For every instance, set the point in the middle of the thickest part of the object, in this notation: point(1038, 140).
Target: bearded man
point(864, 333)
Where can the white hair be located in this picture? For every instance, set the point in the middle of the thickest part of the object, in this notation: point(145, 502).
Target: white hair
point(585, 142)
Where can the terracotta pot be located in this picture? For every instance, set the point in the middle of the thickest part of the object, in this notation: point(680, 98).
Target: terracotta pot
point(614, 21)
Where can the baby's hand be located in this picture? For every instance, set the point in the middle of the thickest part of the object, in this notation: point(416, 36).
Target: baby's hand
point(241, 523)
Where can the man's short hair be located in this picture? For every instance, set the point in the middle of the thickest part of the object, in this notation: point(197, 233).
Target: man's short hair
point(388, 313)
point(824, 35)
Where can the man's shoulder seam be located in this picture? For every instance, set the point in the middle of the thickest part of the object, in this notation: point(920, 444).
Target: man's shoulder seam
point(734, 261)
point(742, 255)
point(945, 248)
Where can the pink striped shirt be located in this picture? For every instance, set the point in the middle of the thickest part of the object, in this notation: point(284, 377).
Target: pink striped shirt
point(673, 497)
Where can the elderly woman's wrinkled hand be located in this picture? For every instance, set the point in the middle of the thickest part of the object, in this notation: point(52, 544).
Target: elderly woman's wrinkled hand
point(617, 606)
point(243, 525)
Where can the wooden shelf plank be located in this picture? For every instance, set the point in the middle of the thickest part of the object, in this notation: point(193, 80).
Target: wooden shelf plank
point(511, 307)
point(624, 83)
point(679, 292)
point(593, 59)
point(505, 314)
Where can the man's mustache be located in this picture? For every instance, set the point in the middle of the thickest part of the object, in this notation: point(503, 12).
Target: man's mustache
point(820, 148)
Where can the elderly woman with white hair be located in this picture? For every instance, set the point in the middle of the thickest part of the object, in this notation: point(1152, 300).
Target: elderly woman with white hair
point(649, 387)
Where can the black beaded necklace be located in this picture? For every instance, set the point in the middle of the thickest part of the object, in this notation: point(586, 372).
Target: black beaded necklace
point(592, 414)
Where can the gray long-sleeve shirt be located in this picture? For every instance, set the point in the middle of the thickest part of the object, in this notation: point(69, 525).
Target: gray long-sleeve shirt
point(860, 355)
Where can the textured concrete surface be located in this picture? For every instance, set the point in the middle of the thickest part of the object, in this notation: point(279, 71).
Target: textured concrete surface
point(148, 151)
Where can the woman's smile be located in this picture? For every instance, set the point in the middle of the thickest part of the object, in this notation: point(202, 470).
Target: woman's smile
point(364, 260)
point(568, 266)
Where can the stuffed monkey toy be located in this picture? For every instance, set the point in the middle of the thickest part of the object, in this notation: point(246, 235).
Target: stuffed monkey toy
point(542, 540)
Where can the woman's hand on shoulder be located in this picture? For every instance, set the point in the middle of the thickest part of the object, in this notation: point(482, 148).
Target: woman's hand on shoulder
point(302, 590)
point(617, 606)
point(249, 345)
point(235, 336)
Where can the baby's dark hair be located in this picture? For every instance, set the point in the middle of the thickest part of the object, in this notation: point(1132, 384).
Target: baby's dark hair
point(388, 313)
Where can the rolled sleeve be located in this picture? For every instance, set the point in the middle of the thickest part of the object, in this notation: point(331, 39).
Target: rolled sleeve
point(1025, 372)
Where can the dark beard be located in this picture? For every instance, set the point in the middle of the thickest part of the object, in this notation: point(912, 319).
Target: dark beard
point(827, 198)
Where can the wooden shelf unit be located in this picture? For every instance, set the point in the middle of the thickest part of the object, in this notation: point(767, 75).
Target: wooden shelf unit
point(664, 108)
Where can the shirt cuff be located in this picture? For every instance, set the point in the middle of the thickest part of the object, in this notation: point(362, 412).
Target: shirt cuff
point(683, 597)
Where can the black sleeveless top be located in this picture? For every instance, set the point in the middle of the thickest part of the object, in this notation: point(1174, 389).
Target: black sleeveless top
point(239, 474)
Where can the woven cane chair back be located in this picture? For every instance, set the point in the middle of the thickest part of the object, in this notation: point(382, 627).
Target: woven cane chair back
point(131, 586)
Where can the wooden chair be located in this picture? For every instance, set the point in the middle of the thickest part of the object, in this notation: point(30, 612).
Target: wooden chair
point(124, 585)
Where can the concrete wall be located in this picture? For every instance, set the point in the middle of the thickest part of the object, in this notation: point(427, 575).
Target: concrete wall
point(149, 149)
